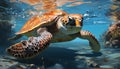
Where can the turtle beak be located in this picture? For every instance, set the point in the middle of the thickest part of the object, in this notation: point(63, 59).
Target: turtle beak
point(78, 22)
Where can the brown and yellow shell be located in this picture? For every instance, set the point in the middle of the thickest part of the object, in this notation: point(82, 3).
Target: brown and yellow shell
point(44, 20)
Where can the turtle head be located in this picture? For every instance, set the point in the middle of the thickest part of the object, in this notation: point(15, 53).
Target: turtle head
point(75, 20)
point(72, 20)
point(70, 24)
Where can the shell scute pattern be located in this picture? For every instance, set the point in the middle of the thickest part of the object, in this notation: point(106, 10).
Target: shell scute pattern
point(46, 19)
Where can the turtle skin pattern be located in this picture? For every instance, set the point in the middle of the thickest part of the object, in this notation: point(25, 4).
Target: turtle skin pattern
point(31, 47)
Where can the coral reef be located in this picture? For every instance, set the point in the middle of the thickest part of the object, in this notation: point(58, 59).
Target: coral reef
point(112, 36)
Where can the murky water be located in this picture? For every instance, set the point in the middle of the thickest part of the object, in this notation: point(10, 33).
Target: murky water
point(74, 54)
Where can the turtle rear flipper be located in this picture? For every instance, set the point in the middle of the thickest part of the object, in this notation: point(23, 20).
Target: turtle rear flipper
point(32, 47)
point(15, 37)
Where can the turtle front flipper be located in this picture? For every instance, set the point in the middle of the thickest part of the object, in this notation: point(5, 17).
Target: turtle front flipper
point(94, 44)
point(31, 47)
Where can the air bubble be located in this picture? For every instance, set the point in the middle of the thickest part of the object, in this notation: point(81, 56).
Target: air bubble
point(23, 16)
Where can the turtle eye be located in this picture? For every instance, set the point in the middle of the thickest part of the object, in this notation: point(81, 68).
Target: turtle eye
point(65, 21)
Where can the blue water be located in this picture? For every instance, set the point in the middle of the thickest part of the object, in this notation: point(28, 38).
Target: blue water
point(64, 55)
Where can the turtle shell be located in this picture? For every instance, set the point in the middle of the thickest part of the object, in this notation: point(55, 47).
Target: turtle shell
point(44, 20)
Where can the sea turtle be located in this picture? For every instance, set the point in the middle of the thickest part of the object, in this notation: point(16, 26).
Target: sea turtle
point(50, 27)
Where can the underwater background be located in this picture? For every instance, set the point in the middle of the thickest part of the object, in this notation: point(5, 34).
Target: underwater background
point(101, 18)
